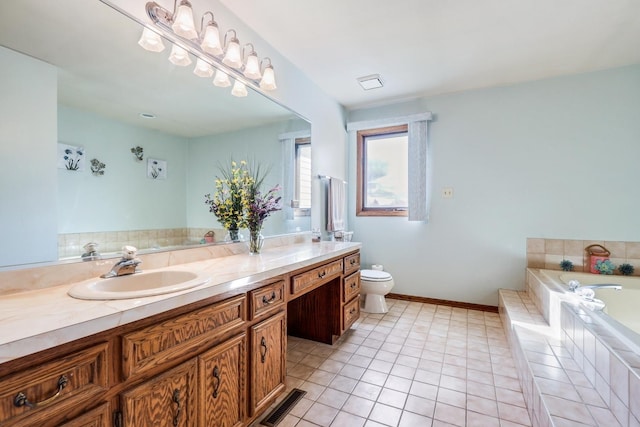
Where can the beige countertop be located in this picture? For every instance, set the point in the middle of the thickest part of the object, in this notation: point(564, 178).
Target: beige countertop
point(35, 320)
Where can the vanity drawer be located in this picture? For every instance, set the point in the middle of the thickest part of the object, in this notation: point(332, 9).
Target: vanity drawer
point(350, 313)
point(33, 396)
point(309, 279)
point(351, 263)
point(149, 347)
point(351, 286)
point(266, 298)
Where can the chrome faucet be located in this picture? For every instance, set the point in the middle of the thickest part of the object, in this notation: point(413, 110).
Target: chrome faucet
point(128, 264)
point(574, 285)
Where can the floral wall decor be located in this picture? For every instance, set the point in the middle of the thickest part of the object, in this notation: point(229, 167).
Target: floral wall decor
point(70, 157)
point(138, 152)
point(156, 169)
point(97, 167)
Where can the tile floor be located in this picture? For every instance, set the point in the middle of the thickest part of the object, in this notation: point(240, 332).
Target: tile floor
point(418, 365)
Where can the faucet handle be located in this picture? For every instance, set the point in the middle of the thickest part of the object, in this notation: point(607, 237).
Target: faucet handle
point(573, 285)
point(129, 252)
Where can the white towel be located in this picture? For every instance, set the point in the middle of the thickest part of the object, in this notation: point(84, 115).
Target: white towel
point(335, 204)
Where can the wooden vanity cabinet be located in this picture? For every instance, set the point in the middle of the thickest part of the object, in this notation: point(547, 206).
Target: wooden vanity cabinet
point(268, 357)
point(98, 417)
point(170, 399)
point(221, 383)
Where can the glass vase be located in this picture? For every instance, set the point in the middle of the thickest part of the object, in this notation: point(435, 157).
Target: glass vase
point(255, 240)
point(233, 235)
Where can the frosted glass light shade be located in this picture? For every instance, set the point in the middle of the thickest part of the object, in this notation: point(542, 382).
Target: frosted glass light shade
point(203, 69)
point(239, 89)
point(179, 56)
point(183, 24)
point(211, 40)
point(221, 79)
point(233, 57)
point(252, 68)
point(268, 81)
point(151, 41)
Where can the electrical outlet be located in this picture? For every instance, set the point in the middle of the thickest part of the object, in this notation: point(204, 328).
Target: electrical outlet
point(447, 193)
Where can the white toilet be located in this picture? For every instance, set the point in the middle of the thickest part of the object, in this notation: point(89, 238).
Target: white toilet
point(375, 284)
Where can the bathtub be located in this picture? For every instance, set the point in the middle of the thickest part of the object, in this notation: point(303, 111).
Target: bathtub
point(620, 313)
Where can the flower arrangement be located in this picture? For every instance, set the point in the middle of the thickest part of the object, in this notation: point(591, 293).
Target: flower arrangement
point(605, 266)
point(239, 203)
point(230, 200)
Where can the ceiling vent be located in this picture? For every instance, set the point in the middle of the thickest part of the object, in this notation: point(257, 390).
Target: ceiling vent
point(374, 81)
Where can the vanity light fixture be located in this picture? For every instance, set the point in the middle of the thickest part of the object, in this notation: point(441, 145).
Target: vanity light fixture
point(183, 24)
point(179, 56)
point(252, 64)
point(210, 36)
point(226, 59)
point(203, 68)
point(232, 55)
point(151, 41)
point(221, 79)
point(239, 89)
point(268, 81)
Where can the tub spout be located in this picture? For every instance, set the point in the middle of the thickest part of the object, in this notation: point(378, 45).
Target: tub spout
point(604, 286)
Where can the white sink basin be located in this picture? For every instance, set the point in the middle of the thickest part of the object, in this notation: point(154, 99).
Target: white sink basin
point(137, 285)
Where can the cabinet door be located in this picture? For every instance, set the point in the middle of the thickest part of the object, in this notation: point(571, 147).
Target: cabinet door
point(268, 352)
point(221, 380)
point(166, 400)
point(98, 417)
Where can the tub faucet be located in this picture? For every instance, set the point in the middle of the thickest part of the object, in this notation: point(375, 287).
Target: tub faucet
point(128, 264)
point(574, 285)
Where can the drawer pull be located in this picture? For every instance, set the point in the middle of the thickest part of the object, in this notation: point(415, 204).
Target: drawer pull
point(352, 262)
point(176, 400)
point(263, 350)
point(270, 300)
point(321, 275)
point(21, 398)
point(216, 381)
point(352, 311)
point(353, 285)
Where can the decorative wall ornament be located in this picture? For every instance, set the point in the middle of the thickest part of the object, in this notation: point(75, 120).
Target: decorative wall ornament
point(70, 157)
point(156, 169)
point(97, 167)
point(138, 152)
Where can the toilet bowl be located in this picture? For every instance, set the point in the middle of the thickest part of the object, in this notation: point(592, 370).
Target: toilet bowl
point(375, 284)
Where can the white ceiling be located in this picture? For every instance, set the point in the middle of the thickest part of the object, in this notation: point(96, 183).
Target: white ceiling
point(428, 47)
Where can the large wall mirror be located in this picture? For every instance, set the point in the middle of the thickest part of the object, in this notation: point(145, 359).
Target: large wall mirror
point(77, 80)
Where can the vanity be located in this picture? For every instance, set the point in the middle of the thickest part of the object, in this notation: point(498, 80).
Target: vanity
point(213, 355)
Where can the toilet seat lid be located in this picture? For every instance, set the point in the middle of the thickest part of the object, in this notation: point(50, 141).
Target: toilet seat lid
point(375, 275)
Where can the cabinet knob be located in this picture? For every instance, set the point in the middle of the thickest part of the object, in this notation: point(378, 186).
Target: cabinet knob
point(270, 300)
point(216, 381)
point(321, 275)
point(176, 400)
point(263, 350)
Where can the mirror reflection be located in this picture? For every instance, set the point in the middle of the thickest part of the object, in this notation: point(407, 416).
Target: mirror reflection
point(123, 144)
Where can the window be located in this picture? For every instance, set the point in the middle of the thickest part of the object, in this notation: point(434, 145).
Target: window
point(302, 196)
point(382, 171)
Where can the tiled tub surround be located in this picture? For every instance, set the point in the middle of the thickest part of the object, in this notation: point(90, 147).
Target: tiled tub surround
point(72, 244)
point(44, 316)
point(574, 368)
point(548, 253)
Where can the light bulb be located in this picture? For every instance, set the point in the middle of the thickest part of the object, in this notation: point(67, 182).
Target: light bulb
point(239, 89)
point(252, 68)
point(151, 41)
point(221, 79)
point(268, 81)
point(183, 21)
point(233, 56)
point(179, 56)
point(203, 69)
point(211, 40)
